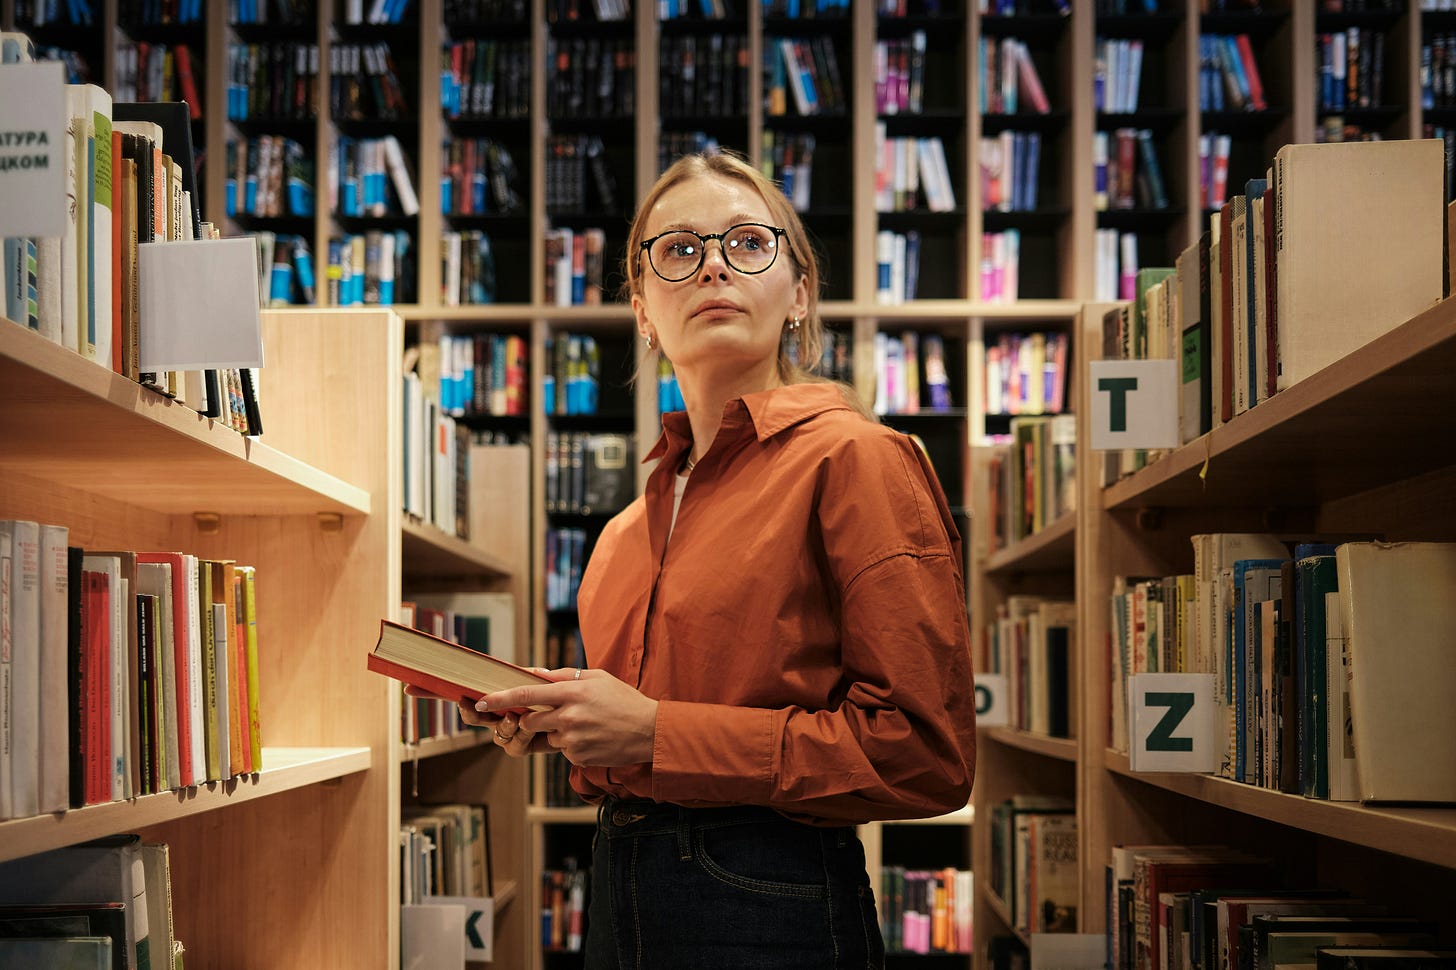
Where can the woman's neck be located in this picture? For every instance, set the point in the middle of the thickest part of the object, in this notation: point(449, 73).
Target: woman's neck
point(706, 395)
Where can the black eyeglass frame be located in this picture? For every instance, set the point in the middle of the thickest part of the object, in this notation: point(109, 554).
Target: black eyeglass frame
point(646, 244)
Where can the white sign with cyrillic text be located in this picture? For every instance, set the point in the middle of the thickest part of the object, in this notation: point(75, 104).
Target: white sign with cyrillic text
point(34, 197)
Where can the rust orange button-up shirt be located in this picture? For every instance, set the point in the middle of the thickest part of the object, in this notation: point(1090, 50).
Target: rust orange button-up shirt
point(804, 631)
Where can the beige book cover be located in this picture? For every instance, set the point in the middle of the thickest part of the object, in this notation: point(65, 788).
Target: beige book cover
point(1400, 624)
point(1358, 243)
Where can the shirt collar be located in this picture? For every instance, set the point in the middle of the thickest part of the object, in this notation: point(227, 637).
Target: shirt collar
point(766, 412)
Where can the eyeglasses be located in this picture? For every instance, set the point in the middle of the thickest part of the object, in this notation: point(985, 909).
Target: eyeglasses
point(750, 248)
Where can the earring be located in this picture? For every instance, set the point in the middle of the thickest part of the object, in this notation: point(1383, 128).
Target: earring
point(793, 324)
point(651, 341)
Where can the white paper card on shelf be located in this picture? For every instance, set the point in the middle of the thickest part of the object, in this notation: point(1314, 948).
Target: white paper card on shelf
point(991, 700)
point(199, 304)
point(478, 931)
point(1068, 951)
point(432, 936)
point(1134, 403)
point(1173, 727)
point(33, 196)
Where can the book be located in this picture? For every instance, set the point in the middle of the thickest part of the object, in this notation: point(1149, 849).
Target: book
point(1285, 940)
point(57, 953)
point(103, 871)
point(446, 669)
point(20, 672)
point(64, 921)
point(1385, 958)
point(1399, 626)
point(1353, 269)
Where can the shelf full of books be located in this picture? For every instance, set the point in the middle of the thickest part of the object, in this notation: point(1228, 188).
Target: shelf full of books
point(1288, 550)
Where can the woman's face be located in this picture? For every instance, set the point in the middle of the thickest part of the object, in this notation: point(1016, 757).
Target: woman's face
point(718, 316)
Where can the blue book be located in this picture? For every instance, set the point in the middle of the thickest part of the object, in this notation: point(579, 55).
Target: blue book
point(1254, 580)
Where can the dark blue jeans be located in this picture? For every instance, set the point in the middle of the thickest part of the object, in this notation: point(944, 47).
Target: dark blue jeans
point(734, 888)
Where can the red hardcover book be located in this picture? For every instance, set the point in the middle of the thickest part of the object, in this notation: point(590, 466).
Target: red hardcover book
point(1251, 71)
point(96, 676)
point(446, 669)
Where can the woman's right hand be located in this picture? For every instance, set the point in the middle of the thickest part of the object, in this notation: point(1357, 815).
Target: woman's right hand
point(505, 728)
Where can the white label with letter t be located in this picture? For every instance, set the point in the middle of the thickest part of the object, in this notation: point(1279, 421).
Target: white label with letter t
point(1172, 722)
point(1134, 403)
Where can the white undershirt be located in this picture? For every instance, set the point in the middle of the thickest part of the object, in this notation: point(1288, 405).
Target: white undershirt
point(680, 483)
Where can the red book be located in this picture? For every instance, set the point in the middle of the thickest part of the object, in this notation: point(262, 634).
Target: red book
point(189, 82)
point(446, 669)
point(1251, 71)
point(96, 678)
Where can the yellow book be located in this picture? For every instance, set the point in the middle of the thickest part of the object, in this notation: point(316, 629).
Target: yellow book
point(249, 622)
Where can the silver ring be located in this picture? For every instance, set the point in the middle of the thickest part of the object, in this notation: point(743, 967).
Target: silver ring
point(578, 674)
point(502, 738)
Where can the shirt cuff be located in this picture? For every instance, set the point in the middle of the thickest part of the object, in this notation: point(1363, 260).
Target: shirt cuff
point(713, 753)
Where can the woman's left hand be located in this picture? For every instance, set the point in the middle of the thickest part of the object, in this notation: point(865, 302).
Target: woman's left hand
point(595, 719)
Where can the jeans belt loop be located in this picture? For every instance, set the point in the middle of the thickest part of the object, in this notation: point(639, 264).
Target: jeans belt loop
point(684, 834)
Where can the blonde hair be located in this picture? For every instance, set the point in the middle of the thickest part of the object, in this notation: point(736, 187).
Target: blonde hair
point(808, 338)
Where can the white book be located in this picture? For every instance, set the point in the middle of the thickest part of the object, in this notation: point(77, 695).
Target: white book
point(399, 174)
point(1400, 621)
point(74, 244)
point(1350, 272)
point(1340, 752)
point(25, 640)
point(194, 673)
point(55, 787)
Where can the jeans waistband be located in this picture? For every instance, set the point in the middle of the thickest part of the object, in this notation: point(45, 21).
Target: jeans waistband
point(641, 816)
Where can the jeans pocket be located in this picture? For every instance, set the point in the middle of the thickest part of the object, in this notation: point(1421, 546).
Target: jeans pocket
point(769, 858)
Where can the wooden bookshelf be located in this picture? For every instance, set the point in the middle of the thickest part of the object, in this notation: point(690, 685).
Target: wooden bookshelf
point(308, 506)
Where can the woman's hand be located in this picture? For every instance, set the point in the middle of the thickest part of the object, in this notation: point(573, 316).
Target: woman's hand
point(505, 727)
point(595, 719)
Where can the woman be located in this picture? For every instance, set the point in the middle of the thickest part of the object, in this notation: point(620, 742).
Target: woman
point(776, 630)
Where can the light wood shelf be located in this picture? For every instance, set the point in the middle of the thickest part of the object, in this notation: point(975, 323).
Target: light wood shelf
point(1424, 833)
point(997, 906)
point(1052, 548)
point(1062, 749)
point(961, 816)
point(430, 553)
point(1374, 416)
point(434, 747)
point(284, 769)
point(69, 420)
